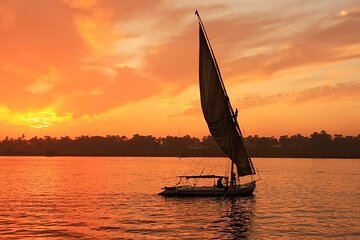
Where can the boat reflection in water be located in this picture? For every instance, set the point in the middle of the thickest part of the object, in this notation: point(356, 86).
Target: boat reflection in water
point(239, 217)
point(209, 217)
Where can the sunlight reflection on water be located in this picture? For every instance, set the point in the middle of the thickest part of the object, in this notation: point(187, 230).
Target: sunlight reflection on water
point(115, 198)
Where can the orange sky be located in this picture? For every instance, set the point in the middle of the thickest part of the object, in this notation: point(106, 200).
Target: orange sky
point(86, 67)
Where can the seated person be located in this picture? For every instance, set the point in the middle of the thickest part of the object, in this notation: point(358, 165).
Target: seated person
point(219, 183)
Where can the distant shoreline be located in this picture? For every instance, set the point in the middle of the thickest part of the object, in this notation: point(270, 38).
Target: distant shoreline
point(317, 145)
point(187, 156)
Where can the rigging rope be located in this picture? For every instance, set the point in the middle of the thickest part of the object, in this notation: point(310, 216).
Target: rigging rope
point(212, 170)
point(192, 159)
point(198, 164)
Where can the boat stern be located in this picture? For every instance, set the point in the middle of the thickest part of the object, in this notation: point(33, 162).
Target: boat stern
point(168, 191)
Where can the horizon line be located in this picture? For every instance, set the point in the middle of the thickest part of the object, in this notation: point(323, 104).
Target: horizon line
point(23, 136)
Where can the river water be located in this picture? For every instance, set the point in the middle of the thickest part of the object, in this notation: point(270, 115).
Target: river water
point(115, 198)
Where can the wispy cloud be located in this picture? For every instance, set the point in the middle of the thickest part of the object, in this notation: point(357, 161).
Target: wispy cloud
point(349, 91)
point(312, 46)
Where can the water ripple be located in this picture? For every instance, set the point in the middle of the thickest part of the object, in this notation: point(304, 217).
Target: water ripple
point(106, 198)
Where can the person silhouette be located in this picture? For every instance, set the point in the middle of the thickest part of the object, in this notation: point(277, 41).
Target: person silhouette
point(233, 179)
point(219, 183)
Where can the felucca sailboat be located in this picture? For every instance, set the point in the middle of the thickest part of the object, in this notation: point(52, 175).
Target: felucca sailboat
point(224, 128)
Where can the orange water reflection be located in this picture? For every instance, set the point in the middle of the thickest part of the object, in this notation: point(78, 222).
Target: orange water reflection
point(108, 198)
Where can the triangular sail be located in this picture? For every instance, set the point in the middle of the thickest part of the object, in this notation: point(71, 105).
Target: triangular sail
point(217, 110)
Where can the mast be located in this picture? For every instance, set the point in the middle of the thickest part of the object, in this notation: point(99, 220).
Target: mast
point(232, 113)
point(232, 179)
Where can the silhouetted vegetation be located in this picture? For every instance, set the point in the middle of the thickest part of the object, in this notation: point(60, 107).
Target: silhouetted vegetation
point(317, 145)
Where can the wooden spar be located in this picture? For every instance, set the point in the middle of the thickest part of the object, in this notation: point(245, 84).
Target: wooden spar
point(215, 62)
point(231, 174)
point(233, 116)
point(219, 75)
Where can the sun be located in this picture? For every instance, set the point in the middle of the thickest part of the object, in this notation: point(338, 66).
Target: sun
point(40, 119)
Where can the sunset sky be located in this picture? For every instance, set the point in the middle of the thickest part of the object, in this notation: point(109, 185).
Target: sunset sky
point(98, 67)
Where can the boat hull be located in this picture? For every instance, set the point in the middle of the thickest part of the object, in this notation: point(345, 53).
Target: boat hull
point(212, 191)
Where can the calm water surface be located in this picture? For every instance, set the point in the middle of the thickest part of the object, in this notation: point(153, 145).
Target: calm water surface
point(115, 198)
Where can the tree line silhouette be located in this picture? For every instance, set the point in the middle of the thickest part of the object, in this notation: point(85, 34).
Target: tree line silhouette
point(318, 144)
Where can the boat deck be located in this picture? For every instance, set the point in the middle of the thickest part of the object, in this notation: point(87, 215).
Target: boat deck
point(208, 191)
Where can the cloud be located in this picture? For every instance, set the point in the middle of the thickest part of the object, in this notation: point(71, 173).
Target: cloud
point(261, 45)
point(175, 63)
point(89, 57)
point(98, 94)
point(7, 16)
point(314, 45)
point(79, 3)
point(174, 60)
point(65, 54)
point(348, 91)
point(97, 32)
point(44, 83)
point(38, 87)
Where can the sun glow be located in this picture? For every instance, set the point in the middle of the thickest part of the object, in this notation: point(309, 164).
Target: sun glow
point(44, 118)
point(41, 119)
